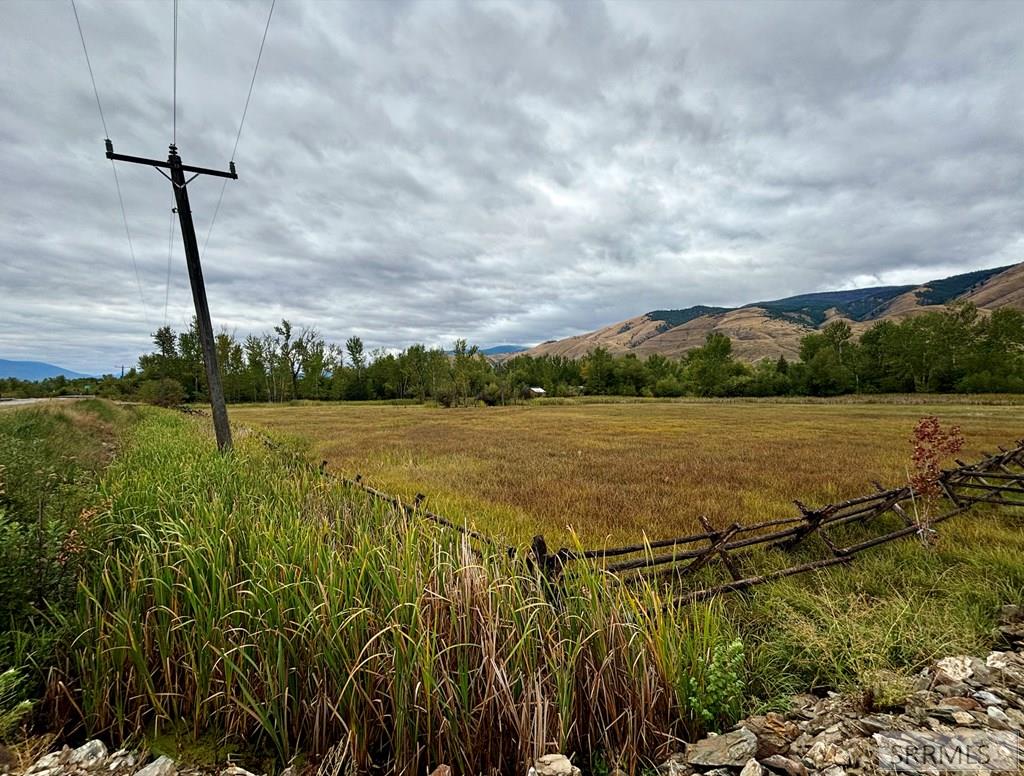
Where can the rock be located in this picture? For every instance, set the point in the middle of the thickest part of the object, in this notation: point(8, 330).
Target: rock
point(953, 689)
point(774, 733)
point(874, 723)
point(824, 754)
point(234, 770)
point(752, 768)
point(997, 660)
point(998, 714)
point(88, 754)
point(956, 668)
point(861, 751)
point(446, 770)
point(161, 766)
point(800, 744)
point(986, 698)
point(782, 764)
point(1016, 717)
point(803, 705)
point(49, 761)
point(967, 704)
point(834, 770)
point(981, 674)
point(675, 765)
point(1010, 635)
point(964, 718)
point(121, 760)
point(555, 765)
point(934, 724)
point(923, 697)
point(1010, 697)
point(729, 750)
point(615, 772)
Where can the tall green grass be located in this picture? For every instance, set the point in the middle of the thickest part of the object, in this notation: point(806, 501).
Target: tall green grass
point(51, 456)
point(249, 596)
point(890, 613)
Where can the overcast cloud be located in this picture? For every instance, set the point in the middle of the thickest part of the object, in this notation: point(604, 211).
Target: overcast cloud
point(507, 171)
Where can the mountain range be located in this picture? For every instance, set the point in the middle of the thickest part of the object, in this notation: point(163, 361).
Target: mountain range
point(34, 370)
point(774, 328)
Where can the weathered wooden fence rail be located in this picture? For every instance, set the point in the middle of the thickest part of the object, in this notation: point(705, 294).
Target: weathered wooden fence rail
point(998, 478)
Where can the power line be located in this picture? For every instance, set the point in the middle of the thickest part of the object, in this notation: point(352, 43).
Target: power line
point(88, 64)
point(117, 182)
point(174, 88)
point(131, 245)
point(241, 123)
point(252, 82)
point(170, 242)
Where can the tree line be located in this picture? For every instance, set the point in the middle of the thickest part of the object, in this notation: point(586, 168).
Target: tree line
point(957, 350)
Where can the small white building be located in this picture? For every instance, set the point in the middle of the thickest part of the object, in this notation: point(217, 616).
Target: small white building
point(536, 391)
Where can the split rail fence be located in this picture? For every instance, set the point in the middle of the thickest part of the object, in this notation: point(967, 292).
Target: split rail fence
point(997, 478)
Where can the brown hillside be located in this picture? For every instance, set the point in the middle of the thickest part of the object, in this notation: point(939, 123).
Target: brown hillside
point(754, 335)
point(1004, 290)
point(757, 334)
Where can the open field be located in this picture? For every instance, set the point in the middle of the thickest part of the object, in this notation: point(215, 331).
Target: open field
point(250, 601)
point(613, 471)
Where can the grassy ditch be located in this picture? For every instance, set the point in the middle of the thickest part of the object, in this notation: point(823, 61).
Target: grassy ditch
point(51, 458)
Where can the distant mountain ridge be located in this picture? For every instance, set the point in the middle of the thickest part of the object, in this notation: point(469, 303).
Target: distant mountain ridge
point(772, 328)
point(35, 370)
point(500, 350)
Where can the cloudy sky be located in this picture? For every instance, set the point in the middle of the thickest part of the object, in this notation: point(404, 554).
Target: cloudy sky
point(507, 171)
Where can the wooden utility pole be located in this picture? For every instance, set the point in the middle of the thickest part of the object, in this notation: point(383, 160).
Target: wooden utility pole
point(195, 272)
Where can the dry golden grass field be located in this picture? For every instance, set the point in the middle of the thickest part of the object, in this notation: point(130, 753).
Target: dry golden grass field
point(614, 471)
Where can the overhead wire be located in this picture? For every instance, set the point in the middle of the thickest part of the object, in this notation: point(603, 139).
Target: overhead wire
point(170, 244)
point(174, 87)
point(241, 123)
point(113, 167)
point(174, 139)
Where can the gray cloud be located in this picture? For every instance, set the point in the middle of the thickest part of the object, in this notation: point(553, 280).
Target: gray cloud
point(503, 171)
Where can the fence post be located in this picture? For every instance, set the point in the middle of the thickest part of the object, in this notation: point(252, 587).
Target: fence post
point(539, 552)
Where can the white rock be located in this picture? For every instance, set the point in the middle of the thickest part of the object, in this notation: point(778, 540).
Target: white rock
point(824, 754)
point(956, 668)
point(46, 762)
point(122, 759)
point(555, 765)
point(88, 754)
point(752, 768)
point(997, 660)
point(997, 714)
point(234, 770)
point(984, 696)
point(162, 766)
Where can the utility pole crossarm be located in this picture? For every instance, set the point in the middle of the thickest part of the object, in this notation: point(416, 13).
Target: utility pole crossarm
point(195, 273)
point(167, 164)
